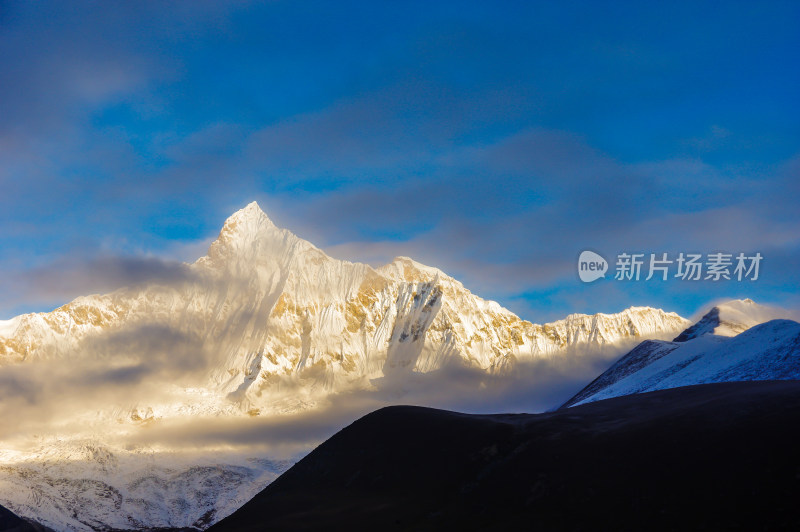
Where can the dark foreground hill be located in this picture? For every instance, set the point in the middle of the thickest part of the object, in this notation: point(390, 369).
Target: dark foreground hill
point(706, 457)
point(10, 522)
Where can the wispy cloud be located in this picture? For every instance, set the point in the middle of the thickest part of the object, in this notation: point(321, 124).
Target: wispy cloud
point(66, 278)
point(114, 372)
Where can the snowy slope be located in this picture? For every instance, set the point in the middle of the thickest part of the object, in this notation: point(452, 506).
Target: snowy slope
point(769, 351)
point(643, 354)
point(86, 485)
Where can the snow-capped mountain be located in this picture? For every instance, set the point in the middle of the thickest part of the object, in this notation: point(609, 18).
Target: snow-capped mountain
point(768, 351)
point(271, 311)
point(266, 324)
point(722, 321)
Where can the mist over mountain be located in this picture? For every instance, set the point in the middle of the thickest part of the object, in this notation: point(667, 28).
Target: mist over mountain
point(268, 323)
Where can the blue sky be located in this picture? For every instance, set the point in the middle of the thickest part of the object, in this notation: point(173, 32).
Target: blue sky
point(494, 140)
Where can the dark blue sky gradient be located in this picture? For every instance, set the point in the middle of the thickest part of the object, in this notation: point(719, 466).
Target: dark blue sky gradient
point(494, 140)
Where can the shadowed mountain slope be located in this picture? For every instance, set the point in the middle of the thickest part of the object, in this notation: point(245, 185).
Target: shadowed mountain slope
point(716, 456)
point(10, 522)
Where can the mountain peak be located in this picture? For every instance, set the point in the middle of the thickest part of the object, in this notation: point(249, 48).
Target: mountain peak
point(250, 216)
point(247, 233)
point(247, 224)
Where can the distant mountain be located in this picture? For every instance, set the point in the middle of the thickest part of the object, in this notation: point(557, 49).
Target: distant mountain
point(731, 318)
point(708, 457)
point(769, 351)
